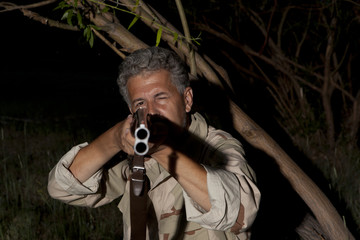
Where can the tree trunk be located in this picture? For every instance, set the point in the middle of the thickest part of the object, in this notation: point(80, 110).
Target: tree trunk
point(320, 205)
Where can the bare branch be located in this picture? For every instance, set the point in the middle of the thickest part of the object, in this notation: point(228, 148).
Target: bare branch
point(113, 47)
point(268, 27)
point(187, 36)
point(118, 33)
point(243, 69)
point(305, 33)
point(9, 6)
point(284, 108)
point(281, 24)
point(355, 118)
point(221, 71)
point(247, 50)
point(47, 21)
point(328, 88)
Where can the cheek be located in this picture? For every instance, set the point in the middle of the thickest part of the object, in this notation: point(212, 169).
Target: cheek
point(181, 115)
point(175, 113)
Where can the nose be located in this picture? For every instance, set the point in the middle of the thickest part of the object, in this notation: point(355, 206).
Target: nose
point(151, 109)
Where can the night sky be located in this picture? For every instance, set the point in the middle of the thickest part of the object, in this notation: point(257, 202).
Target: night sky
point(57, 68)
point(50, 65)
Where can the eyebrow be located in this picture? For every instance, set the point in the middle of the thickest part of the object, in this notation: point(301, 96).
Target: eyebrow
point(156, 95)
point(161, 93)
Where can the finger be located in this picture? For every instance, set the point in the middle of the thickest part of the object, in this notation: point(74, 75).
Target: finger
point(129, 141)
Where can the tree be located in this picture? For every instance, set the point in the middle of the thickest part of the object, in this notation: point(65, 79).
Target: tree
point(296, 83)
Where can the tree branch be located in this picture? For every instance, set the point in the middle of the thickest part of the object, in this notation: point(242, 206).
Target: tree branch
point(268, 27)
point(298, 48)
point(248, 51)
point(113, 47)
point(9, 6)
point(328, 88)
point(187, 36)
point(46, 21)
point(281, 24)
point(203, 68)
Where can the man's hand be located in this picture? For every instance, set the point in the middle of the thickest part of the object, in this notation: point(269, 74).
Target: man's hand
point(174, 149)
point(124, 137)
point(95, 155)
point(163, 133)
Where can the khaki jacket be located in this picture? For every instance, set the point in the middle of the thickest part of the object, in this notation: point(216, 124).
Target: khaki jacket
point(231, 185)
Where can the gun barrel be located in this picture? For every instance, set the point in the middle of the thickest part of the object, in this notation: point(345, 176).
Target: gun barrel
point(142, 134)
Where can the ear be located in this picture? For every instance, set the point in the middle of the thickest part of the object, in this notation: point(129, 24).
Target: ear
point(188, 99)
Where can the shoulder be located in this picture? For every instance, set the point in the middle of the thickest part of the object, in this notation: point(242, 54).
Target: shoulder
point(222, 140)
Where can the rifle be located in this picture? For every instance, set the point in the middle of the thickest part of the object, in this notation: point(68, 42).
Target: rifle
point(141, 147)
point(139, 184)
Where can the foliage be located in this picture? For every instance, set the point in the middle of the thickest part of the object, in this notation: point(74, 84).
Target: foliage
point(75, 15)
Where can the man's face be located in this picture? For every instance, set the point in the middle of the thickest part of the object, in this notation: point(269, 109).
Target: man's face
point(158, 94)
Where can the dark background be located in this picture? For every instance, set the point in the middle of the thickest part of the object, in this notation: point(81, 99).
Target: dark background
point(57, 70)
point(47, 73)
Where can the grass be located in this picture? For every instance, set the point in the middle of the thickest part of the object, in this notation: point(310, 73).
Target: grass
point(29, 148)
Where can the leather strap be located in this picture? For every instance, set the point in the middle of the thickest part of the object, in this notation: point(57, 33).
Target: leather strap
point(138, 174)
point(139, 187)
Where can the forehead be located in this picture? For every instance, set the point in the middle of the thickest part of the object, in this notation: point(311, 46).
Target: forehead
point(149, 80)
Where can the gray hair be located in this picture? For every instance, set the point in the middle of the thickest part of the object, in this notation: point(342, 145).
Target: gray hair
point(149, 60)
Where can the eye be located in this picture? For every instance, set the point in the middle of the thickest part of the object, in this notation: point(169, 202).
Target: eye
point(139, 104)
point(162, 97)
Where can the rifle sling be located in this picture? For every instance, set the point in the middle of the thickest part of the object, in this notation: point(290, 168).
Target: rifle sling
point(139, 186)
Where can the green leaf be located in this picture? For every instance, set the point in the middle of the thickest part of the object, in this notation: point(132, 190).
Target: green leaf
point(105, 9)
point(65, 15)
point(69, 16)
point(133, 21)
point(91, 40)
point(136, 5)
point(158, 36)
point(195, 41)
point(62, 5)
point(79, 19)
point(176, 36)
point(87, 31)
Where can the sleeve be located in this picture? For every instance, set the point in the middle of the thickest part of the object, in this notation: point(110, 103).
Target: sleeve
point(98, 190)
point(233, 193)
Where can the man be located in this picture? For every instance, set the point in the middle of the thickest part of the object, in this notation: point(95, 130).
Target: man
point(198, 189)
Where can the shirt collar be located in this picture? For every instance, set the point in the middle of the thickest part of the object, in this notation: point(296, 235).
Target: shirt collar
point(198, 126)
